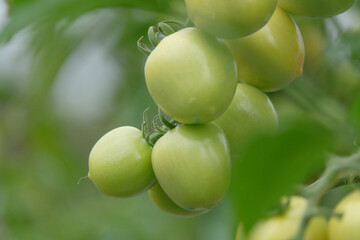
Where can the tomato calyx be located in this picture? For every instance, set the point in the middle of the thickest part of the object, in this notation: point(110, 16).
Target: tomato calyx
point(158, 127)
point(156, 33)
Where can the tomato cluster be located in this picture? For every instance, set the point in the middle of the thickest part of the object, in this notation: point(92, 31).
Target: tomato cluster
point(210, 80)
point(285, 225)
point(343, 225)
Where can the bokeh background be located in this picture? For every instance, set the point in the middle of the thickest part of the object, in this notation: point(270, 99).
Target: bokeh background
point(70, 71)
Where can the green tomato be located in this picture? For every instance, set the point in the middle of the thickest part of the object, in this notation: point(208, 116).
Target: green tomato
point(162, 201)
point(317, 8)
point(230, 19)
point(191, 76)
point(348, 226)
point(273, 56)
point(192, 165)
point(120, 163)
point(285, 226)
point(249, 113)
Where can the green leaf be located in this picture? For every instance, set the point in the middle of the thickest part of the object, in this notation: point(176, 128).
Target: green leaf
point(271, 166)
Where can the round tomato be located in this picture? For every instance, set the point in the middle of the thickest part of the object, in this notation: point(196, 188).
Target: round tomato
point(120, 163)
point(162, 201)
point(348, 226)
point(250, 112)
point(273, 56)
point(191, 76)
point(230, 19)
point(285, 226)
point(192, 165)
point(318, 8)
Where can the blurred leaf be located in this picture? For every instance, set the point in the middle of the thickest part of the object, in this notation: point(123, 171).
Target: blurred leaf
point(355, 111)
point(352, 41)
point(26, 13)
point(272, 166)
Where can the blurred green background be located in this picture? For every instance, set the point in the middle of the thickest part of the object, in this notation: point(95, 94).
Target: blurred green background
point(70, 71)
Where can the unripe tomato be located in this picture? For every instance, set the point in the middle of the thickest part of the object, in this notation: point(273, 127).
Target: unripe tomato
point(318, 8)
point(348, 226)
point(120, 163)
point(192, 165)
point(230, 19)
point(285, 226)
point(162, 201)
point(250, 112)
point(191, 76)
point(272, 57)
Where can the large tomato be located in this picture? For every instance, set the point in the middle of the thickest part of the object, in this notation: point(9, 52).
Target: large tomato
point(230, 19)
point(162, 201)
point(317, 8)
point(192, 165)
point(191, 76)
point(272, 57)
point(348, 226)
point(285, 226)
point(120, 163)
point(250, 112)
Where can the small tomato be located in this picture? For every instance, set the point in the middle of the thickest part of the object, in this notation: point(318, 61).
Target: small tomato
point(230, 19)
point(249, 113)
point(192, 165)
point(120, 163)
point(348, 226)
point(191, 76)
point(272, 57)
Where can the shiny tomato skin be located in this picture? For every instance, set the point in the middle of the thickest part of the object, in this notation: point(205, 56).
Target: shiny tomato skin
point(230, 19)
point(249, 113)
point(191, 76)
point(318, 8)
point(348, 226)
point(192, 165)
point(120, 163)
point(162, 201)
point(285, 226)
point(272, 57)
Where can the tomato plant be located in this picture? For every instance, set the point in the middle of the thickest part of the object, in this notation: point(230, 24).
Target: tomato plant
point(120, 163)
point(346, 226)
point(261, 58)
point(319, 8)
point(205, 117)
point(250, 112)
point(191, 76)
point(285, 225)
point(192, 165)
point(162, 201)
point(230, 19)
